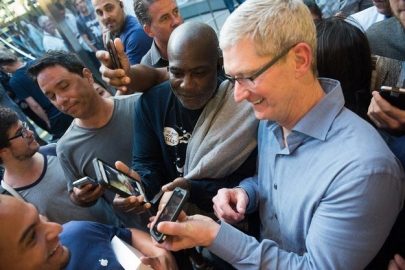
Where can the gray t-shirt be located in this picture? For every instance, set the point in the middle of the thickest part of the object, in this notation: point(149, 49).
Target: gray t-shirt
point(49, 195)
point(79, 146)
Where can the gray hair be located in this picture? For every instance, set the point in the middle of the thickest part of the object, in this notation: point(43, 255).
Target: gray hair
point(272, 25)
point(141, 9)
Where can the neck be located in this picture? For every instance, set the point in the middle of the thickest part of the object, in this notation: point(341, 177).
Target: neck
point(162, 47)
point(100, 114)
point(308, 94)
point(20, 173)
point(19, 64)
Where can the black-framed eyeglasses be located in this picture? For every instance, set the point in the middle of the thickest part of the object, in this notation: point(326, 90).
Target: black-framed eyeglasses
point(23, 132)
point(250, 80)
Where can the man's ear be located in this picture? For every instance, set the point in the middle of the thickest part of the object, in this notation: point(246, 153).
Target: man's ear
point(303, 58)
point(88, 75)
point(3, 150)
point(147, 29)
point(121, 4)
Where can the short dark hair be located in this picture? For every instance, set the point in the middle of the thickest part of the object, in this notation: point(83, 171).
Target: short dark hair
point(343, 53)
point(68, 60)
point(7, 58)
point(141, 8)
point(8, 118)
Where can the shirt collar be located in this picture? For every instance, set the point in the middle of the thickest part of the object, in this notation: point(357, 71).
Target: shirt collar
point(155, 54)
point(317, 122)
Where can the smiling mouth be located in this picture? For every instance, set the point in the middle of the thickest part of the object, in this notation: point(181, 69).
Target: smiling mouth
point(54, 250)
point(256, 102)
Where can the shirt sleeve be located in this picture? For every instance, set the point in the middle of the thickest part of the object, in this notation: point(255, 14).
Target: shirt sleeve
point(147, 159)
point(346, 230)
point(136, 46)
point(18, 85)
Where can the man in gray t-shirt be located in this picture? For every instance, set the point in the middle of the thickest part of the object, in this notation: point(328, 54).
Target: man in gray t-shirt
point(38, 178)
point(102, 128)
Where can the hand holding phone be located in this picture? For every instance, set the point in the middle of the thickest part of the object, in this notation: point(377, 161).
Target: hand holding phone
point(394, 95)
point(109, 44)
point(170, 212)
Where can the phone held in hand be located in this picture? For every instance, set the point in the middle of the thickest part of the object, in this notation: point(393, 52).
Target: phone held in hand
point(84, 181)
point(170, 212)
point(109, 44)
point(394, 95)
point(117, 181)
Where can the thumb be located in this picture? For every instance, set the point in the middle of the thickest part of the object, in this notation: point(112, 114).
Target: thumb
point(241, 202)
point(169, 187)
point(121, 54)
point(102, 56)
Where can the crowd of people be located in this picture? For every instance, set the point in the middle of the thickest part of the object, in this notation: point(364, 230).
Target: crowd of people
point(276, 127)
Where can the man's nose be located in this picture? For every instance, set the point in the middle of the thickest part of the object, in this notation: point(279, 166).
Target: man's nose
point(176, 20)
point(187, 82)
point(60, 100)
point(240, 92)
point(52, 230)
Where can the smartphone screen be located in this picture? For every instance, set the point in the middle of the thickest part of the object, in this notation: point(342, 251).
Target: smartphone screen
point(170, 212)
point(117, 181)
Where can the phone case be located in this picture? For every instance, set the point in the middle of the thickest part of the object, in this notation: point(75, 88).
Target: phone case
point(158, 236)
point(102, 181)
point(83, 181)
point(394, 96)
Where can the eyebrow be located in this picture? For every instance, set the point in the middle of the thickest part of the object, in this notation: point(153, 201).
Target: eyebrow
point(26, 234)
point(18, 130)
point(30, 228)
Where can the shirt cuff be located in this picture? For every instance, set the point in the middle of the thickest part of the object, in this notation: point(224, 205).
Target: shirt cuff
point(251, 207)
point(227, 237)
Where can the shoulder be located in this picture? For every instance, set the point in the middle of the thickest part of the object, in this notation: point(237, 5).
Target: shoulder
point(383, 27)
point(158, 93)
point(132, 26)
point(147, 58)
point(362, 142)
point(125, 103)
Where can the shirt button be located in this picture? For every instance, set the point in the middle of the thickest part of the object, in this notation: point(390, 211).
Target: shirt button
point(275, 216)
point(275, 186)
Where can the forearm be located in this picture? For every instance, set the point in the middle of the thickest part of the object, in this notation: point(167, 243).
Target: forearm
point(142, 242)
point(144, 77)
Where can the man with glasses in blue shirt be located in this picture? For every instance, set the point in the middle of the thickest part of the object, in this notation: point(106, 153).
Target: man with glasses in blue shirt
point(327, 188)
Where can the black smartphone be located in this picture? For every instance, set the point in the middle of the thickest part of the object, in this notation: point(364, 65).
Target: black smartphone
point(109, 44)
point(394, 95)
point(117, 181)
point(84, 181)
point(170, 212)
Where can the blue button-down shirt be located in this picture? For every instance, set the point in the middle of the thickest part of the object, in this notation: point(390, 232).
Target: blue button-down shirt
point(327, 200)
